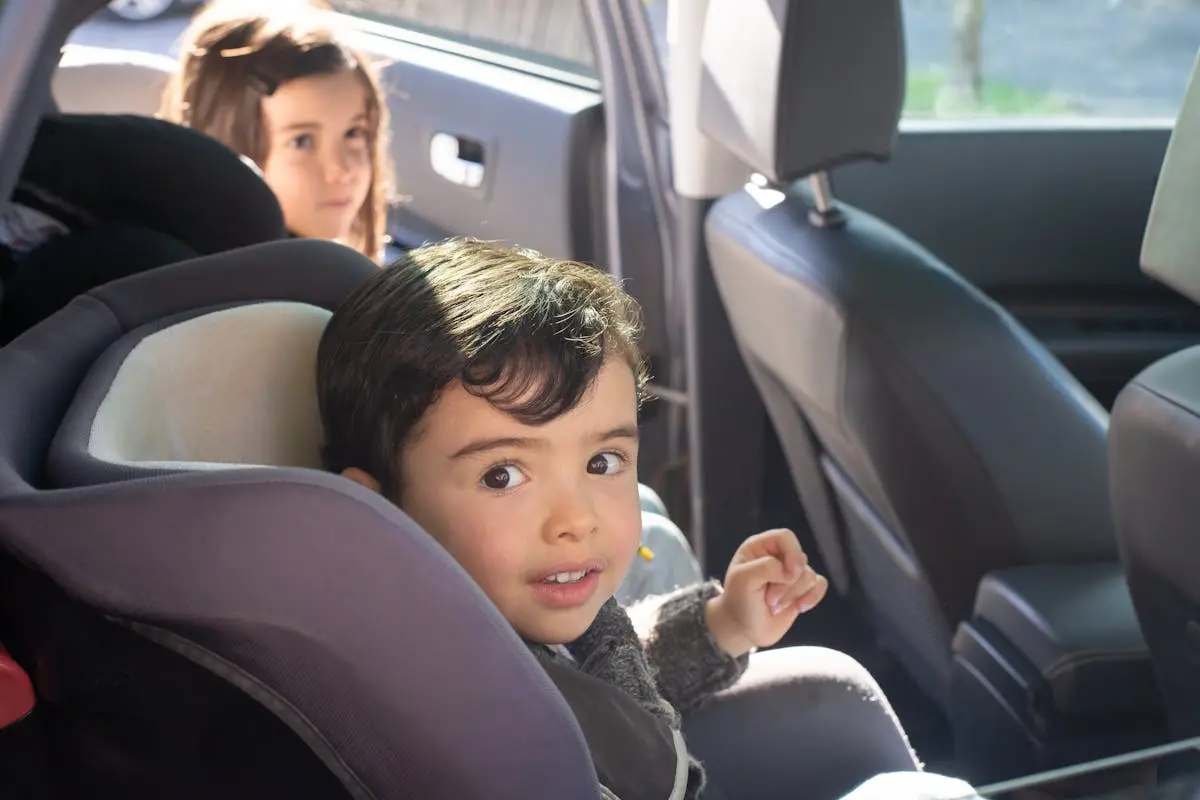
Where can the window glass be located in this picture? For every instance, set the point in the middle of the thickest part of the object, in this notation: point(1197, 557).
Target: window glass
point(550, 31)
point(1056, 58)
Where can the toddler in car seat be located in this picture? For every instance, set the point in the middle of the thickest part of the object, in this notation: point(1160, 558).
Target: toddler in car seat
point(492, 394)
point(277, 83)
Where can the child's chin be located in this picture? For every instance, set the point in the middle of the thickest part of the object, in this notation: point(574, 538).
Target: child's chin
point(561, 630)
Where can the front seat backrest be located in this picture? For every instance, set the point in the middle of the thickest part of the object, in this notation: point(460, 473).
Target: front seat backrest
point(931, 438)
point(251, 633)
point(1154, 444)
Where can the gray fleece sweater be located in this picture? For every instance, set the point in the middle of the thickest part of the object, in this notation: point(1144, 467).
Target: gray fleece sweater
point(660, 652)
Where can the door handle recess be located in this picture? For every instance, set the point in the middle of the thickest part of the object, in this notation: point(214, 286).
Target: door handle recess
point(458, 159)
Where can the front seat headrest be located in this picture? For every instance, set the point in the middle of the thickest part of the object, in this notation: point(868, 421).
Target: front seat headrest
point(795, 87)
point(1171, 247)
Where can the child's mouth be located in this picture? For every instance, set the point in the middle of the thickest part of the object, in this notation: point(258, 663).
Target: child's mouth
point(568, 588)
point(567, 577)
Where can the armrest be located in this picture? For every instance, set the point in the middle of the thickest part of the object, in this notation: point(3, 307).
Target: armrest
point(1076, 625)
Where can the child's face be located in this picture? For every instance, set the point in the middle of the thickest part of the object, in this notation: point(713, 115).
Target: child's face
point(517, 504)
point(319, 159)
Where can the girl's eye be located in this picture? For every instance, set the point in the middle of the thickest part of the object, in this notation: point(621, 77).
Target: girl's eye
point(302, 142)
point(606, 464)
point(358, 132)
point(503, 477)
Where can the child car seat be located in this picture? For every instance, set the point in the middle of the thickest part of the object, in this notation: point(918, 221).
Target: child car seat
point(104, 196)
point(245, 632)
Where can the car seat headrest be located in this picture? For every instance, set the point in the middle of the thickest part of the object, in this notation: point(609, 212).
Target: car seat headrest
point(108, 80)
point(1171, 246)
point(795, 87)
point(88, 169)
point(225, 383)
point(235, 387)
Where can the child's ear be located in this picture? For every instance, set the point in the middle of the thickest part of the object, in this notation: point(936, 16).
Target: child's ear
point(362, 478)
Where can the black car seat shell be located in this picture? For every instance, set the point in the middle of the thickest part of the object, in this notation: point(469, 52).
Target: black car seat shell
point(251, 632)
point(931, 439)
point(1154, 444)
point(110, 195)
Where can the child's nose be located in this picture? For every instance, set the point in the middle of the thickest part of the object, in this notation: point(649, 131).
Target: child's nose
point(574, 517)
point(338, 168)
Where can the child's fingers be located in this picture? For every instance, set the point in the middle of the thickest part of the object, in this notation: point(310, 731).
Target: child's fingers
point(779, 543)
point(816, 594)
point(781, 595)
point(758, 573)
point(801, 589)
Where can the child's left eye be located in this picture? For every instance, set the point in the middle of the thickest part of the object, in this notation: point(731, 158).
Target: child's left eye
point(606, 463)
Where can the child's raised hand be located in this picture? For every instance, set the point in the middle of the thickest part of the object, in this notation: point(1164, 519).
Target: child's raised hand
point(769, 583)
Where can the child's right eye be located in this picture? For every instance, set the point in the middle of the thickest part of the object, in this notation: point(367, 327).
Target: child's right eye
point(502, 477)
point(302, 142)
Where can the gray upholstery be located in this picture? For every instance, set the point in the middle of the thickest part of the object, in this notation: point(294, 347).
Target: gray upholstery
point(319, 601)
point(931, 438)
point(798, 87)
point(809, 706)
point(1154, 455)
point(1154, 444)
point(1172, 241)
point(1076, 626)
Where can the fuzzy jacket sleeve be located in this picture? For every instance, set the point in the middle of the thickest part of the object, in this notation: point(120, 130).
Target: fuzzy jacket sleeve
point(688, 664)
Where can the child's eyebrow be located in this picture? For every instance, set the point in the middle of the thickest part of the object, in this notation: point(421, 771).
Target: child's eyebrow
point(300, 126)
point(621, 432)
point(483, 445)
point(527, 442)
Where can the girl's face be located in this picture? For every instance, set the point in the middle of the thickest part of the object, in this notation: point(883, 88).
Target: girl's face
point(319, 153)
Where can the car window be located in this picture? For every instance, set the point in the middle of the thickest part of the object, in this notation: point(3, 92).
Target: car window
point(553, 32)
point(1064, 59)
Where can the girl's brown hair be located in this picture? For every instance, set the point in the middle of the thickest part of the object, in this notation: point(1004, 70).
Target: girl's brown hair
point(232, 56)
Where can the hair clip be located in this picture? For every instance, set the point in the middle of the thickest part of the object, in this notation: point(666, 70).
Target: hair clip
point(261, 84)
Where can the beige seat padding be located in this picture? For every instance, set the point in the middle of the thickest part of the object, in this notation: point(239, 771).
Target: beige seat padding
point(232, 387)
point(104, 80)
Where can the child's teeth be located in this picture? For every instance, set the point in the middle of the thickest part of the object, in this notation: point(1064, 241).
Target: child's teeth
point(567, 577)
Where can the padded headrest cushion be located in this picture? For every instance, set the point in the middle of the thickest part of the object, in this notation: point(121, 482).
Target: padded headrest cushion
point(235, 387)
point(210, 360)
point(795, 87)
point(106, 80)
point(87, 169)
point(1171, 247)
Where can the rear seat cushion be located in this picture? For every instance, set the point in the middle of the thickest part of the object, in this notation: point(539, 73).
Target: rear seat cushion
point(1076, 625)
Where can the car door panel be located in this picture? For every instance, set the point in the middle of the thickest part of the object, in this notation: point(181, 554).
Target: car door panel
point(537, 142)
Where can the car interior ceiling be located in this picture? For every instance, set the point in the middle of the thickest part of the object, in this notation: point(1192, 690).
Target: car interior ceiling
point(1016, 623)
